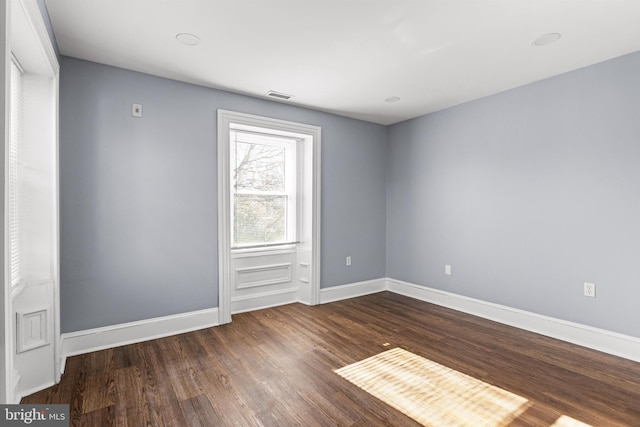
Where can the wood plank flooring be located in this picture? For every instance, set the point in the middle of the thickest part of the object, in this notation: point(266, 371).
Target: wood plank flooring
point(275, 367)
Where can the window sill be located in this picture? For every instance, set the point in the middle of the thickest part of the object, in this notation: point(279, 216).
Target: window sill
point(264, 250)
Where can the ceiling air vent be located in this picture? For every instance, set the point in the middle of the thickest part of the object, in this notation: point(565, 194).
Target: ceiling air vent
point(278, 95)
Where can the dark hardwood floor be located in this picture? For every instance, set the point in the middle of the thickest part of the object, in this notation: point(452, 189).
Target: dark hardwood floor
point(275, 367)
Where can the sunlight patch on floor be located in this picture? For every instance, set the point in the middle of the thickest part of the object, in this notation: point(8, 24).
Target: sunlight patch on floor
point(435, 395)
point(565, 421)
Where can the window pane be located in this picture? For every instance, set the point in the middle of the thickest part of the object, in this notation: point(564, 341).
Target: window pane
point(259, 167)
point(259, 219)
point(17, 123)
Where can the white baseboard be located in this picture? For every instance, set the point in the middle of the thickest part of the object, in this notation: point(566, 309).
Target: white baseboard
point(13, 395)
point(609, 342)
point(128, 333)
point(337, 293)
point(22, 393)
point(263, 300)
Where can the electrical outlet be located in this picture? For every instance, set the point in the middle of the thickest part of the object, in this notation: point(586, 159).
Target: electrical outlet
point(447, 269)
point(348, 260)
point(590, 290)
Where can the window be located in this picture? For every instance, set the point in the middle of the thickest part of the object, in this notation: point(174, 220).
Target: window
point(263, 188)
point(12, 187)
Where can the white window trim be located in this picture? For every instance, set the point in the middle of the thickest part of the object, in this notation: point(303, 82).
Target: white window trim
point(313, 134)
point(26, 35)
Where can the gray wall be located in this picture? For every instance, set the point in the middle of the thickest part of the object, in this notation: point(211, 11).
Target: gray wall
point(527, 194)
point(139, 196)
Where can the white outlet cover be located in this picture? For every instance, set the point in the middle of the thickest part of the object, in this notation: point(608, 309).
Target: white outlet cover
point(447, 269)
point(590, 290)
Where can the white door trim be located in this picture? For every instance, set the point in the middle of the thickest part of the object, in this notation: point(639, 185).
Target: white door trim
point(225, 118)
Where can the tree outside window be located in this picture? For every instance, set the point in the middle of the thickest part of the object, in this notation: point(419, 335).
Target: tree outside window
point(263, 189)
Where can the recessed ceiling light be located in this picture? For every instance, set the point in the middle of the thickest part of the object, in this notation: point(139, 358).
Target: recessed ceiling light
point(188, 39)
point(546, 39)
point(392, 99)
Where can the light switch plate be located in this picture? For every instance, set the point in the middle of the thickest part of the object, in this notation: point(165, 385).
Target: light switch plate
point(136, 110)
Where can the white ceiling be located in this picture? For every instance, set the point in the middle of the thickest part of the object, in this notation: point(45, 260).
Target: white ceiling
point(348, 56)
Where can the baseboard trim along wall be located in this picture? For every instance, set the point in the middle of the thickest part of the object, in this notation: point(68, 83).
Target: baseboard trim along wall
point(89, 340)
point(352, 290)
point(20, 394)
point(609, 342)
point(263, 300)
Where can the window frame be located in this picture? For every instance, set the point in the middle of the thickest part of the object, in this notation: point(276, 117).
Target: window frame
point(310, 216)
point(268, 137)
